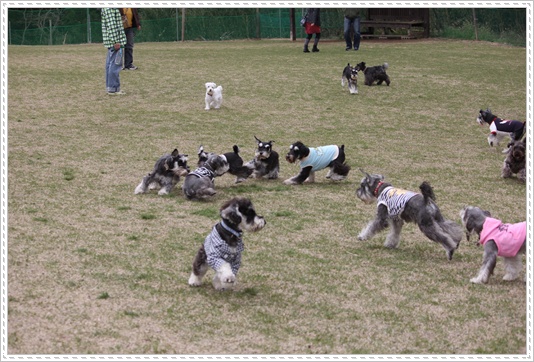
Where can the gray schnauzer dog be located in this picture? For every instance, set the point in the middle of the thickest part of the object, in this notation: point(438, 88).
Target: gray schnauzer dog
point(315, 159)
point(499, 239)
point(199, 184)
point(515, 161)
point(266, 162)
point(165, 175)
point(374, 74)
point(350, 74)
point(237, 167)
point(223, 247)
point(396, 206)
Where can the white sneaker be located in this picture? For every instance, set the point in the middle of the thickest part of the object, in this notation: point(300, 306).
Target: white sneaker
point(119, 93)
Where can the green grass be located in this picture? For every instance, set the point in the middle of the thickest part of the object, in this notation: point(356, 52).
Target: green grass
point(95, 269)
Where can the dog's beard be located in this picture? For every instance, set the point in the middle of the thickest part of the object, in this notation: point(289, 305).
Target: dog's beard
point(257, 225)
point(291, 158)
point(365, 196)
point(262, 155)
point(210, 92)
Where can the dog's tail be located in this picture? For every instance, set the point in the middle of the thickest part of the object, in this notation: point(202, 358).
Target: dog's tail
point(427, 191)
point(236, 149)
point(386, 65)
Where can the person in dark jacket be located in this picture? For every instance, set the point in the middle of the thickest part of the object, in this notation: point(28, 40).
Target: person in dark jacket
point(130, 20)
point(351, 22)
point(312, 26)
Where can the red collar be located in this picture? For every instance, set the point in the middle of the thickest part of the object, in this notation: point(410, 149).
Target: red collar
point(375, 193)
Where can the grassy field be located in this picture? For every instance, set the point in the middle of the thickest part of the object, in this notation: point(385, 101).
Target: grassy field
point(95, 269)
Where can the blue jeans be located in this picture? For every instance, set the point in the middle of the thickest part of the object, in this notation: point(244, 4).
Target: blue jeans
point(354, 25)
point(128, 48)
point(113, 83)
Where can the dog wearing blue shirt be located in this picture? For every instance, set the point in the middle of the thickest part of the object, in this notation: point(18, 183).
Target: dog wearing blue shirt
point(222, 248)
point(315, 159)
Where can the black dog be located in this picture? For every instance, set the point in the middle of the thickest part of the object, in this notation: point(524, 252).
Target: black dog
point(515, 161)
point(350, 74)
point(237, 167)
point(374, 74)
point(315, 159)
point(266, 162)
point(396, 206)
point(166, 173)
point(500, 128)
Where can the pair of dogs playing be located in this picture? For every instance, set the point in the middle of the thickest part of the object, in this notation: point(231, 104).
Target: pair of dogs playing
point(199, 184)
point(223, 247)
point(372, 74)
point(500, 129)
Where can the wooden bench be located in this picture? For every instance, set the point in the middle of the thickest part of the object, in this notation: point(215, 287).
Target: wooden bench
point(415, 21)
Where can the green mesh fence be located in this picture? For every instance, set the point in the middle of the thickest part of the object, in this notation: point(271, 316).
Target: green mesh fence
point(76, 26)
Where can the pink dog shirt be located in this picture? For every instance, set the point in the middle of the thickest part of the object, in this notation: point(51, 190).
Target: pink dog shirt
point(508, 237)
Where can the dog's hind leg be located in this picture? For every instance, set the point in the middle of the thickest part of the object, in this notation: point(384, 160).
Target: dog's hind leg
point(200, 267)
point(446, 232)
point(512, 267)
point(393, 238)
point(142, 187)
point(488, 263)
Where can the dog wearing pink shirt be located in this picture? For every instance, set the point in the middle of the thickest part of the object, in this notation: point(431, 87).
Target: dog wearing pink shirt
point(499, 239)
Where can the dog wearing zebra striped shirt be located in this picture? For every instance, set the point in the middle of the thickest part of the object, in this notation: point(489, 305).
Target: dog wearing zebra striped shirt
point(396, 206)
point(223, 247)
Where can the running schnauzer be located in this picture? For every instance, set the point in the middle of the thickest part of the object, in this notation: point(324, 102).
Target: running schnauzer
point(223, 247)
point(199, 184)
point(499, 239)
point(500, 128)
point(374, 74)
point(396, 206)
point(350, 74)
point(165, 175)
point(316, 159)
point(213, 96)
point(515, 161)
point(266, 162)
point(237, 167)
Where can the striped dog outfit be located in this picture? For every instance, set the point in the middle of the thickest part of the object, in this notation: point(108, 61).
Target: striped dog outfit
point(395, 200)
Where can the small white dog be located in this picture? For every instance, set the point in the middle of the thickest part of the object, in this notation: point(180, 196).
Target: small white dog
point(214, 96)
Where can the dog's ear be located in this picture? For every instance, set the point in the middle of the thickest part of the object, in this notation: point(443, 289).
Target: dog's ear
point(487, 213)
point(257, 139)
point(175, 153)
point(200, 149)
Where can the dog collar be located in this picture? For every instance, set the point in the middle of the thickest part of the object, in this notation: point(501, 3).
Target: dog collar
point(236, 233)
point(375, 193)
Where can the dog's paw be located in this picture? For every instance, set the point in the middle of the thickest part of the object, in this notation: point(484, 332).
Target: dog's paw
point(362, 237)
point(139, 189)
point(509, 277)
point(163, 192)
point(290, 181)
point(195, 281)
point(478, 280)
